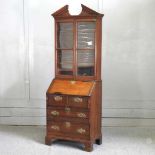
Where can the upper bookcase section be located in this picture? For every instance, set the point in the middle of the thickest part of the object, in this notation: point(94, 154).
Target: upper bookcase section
point(78, 44)
point(86, 12)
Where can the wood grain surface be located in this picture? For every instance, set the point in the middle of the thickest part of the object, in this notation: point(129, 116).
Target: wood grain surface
point(71, 87)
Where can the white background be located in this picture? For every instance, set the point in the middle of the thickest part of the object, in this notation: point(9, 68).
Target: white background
point(128, 59)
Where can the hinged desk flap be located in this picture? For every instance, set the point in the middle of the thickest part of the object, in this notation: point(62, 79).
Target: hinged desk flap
point(71, 87)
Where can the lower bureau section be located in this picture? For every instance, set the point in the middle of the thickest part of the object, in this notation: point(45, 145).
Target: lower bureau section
point(68, 128)
point(74, 117)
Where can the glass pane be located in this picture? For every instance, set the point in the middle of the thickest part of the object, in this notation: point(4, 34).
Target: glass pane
point(86, 26)
point(86, 35)
point(85, 62)
point(65, 62)
point(65, 35)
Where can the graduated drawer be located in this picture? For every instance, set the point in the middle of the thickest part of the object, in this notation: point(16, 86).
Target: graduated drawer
point(56, 100)
point(67, 112)
point(78, 101)
point(68, 127)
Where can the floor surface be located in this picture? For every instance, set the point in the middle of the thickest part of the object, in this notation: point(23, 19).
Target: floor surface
point(29, 140)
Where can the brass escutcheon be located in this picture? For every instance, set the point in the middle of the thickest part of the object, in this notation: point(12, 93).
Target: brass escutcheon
point(67, 124)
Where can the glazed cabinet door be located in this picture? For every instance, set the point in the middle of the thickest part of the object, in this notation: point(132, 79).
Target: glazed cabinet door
point(75, 49)
point(85, 48)
point(64, 48)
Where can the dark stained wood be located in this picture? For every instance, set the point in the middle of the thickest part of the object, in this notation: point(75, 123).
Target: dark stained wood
point(98, 40)
point(61, 12)
point(68, 127)
point(88, 146)
point(73, 119)
point(52, 137)
point(73, 102)
point(86, 12)
point(89, 12)
point(67, 111)
point(78, 101)
point(58, 100)
point(96, 111)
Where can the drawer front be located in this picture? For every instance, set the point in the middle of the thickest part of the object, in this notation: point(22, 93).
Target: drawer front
point(78, 101)
point(57, 100)
point(72, 119)
point(67, 112)
point(68, 127)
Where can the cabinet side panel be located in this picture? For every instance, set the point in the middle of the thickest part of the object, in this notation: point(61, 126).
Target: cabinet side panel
point(98, 48)
point(96, 111)
point(99, 107)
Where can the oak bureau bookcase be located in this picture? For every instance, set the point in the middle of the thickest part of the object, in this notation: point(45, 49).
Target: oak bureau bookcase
point(74, 98)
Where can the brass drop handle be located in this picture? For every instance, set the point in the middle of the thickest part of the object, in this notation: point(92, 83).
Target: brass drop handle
point(77, 99)
point(81, 131)
point(55, 127)
point(82, 115)
point(58, 98)
point(55, 113)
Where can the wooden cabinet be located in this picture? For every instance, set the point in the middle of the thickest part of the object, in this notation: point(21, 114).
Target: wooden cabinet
point(74, 98)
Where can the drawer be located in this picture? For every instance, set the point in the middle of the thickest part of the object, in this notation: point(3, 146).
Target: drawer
point(67, 112)
point(72, 119)
point(78, 101)
point(68, 127)
point(57, 100)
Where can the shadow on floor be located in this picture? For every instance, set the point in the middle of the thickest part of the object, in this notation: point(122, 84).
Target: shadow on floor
point(36, 134)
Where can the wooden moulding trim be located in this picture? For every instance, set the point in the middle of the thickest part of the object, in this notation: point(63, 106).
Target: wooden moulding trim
point(86, 12)
point(52, 136)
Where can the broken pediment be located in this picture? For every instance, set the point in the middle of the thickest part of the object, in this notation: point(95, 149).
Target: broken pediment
point(64, 12)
